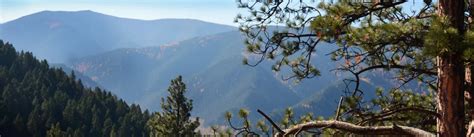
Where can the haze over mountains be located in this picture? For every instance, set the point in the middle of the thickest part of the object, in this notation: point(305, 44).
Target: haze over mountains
point(211, 66)
point(136, 59)
point(59, 35)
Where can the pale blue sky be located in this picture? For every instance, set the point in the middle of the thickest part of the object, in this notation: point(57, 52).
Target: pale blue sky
point(218, 11)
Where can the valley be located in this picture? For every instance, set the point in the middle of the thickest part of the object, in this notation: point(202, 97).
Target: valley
point(136, 59)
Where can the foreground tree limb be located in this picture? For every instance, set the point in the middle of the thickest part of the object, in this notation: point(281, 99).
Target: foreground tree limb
point(352, 128)
point(374, 36)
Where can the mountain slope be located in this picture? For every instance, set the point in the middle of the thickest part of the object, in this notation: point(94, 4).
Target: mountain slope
point(217, 81)
point(324, 102)
point(87, 81)
point(211, 67)
point(59, 36)
point(36, 100)
point(147, 69)
point(230, 85)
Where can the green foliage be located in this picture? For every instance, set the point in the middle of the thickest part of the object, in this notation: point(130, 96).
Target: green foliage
point(175, 119)
point(246, 128)
point(55, 131)
point(443, 39)
point(385, 109)
point(393, 107)
point(36, 100)
point(263, 127)
point(365, 35)
point(288, 118)
point(366, 38)
point(468, 41)
point(221, 131)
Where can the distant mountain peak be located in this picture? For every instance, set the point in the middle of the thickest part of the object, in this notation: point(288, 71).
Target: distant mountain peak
point(62, 35)
point(66, 12)
point(86, 11)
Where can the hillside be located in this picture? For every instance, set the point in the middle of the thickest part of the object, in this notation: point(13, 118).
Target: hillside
point(228, 85)
point(60, 35)
point(211, 66)
point(130, 58)
point(86, 81)
point(36, 100)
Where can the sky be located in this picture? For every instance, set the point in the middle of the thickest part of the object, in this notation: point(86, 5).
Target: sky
point(217, 11)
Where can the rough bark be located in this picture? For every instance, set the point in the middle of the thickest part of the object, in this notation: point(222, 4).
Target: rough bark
point(450, 96)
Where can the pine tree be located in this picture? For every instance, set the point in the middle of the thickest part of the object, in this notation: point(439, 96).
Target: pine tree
point(175, 118)
point(36, 99)
point(55, 131)
point(432, 45)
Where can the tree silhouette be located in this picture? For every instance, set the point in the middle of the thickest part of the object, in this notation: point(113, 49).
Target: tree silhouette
point(175, 118)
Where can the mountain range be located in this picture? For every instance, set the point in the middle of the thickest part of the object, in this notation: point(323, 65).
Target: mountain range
point(62, 35)
point(136, 59)
point(217, 80)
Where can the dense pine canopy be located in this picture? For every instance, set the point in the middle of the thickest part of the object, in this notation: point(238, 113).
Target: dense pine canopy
point(36, 100)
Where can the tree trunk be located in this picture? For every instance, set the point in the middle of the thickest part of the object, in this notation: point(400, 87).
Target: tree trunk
point(450, 122)
point(450, 97)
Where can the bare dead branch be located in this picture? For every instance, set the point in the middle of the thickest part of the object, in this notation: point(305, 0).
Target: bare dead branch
point(338, 111)
point(362, 130)
point(271, 121)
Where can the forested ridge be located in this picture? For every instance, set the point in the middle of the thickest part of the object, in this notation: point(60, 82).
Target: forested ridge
point(36, 100)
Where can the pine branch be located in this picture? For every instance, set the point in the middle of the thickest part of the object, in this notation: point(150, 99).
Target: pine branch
point(362, 130)
point(397, 111)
